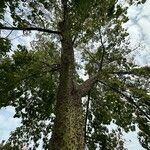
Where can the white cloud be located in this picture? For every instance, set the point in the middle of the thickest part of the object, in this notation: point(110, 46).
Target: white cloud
point(138, 27)
point(8, 123)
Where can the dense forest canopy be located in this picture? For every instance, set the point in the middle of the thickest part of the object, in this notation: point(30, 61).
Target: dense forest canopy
point(44, 84)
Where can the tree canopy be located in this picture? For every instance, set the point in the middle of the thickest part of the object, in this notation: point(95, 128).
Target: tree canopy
point(33, 79)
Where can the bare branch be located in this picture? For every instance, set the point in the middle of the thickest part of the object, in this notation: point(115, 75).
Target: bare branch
point(9, 34)
point(103, 51)
point(92, 57)
point(17, 37)
point(30, 29)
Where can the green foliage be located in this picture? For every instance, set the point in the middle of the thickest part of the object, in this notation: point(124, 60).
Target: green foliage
point(29, 83)
point(144, 134)
point(5, 46)
point(8, 147)
point(143, 71)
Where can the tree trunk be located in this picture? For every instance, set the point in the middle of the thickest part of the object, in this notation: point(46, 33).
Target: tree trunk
point(68, 131)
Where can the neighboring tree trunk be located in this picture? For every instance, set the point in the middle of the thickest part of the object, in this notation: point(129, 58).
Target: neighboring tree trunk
point(68, 131)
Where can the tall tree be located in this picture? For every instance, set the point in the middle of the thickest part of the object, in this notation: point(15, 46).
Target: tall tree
point(44, 83)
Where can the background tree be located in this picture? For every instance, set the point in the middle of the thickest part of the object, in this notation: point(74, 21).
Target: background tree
point(44, 85)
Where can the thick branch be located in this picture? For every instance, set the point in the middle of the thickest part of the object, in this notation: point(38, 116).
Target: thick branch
point(128, 98)
point(87, 85)
point(30, 29)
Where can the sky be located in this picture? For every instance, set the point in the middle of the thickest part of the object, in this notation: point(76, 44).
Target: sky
point(139, 28)
point(7, 122)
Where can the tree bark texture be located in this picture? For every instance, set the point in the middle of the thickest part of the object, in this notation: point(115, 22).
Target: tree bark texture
point(68, 131)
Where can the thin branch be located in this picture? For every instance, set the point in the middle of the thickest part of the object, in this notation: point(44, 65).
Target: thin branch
point(121, 72)
point(74, 39)
point(129, 99)
point(92, 57)
point(53, 67)
point(30, 29)
point(88, 84)
point(7, 23)
point(17, 37)
point(9, 34)
point(103, 51)
point(93, 81)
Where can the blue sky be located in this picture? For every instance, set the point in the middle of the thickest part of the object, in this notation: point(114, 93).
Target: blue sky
point(7, 122)
point(139, 29)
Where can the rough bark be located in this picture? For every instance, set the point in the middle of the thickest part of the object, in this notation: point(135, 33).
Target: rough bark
point(87, 85)
point(68, 131)
point(68, 128)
